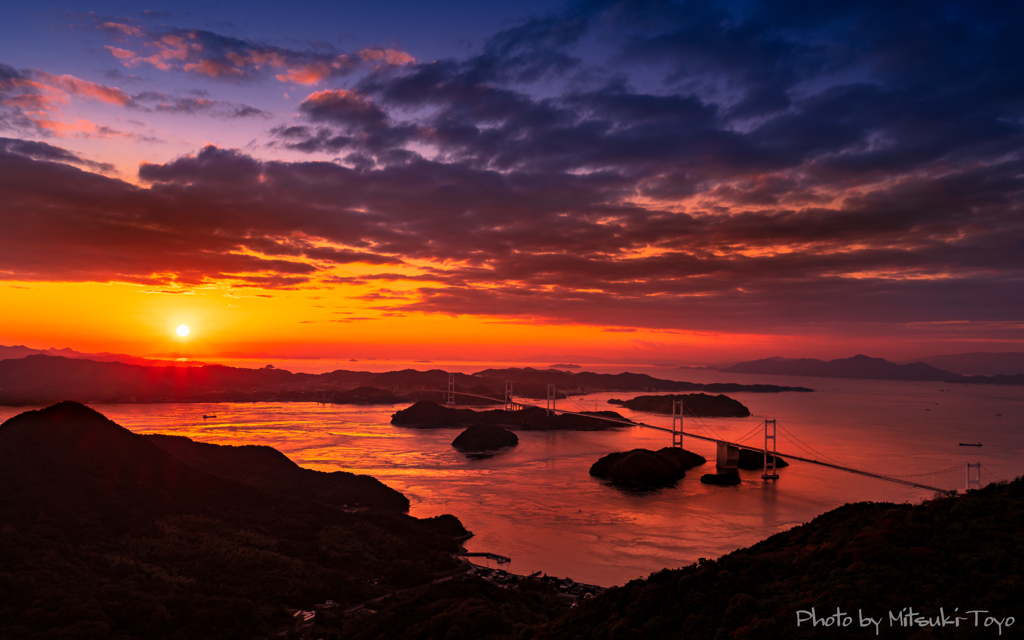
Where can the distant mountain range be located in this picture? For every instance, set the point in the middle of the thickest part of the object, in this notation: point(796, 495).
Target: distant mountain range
point(42, 379)
point(20, 351)
point(859, 367)
point(862, 367)
point(980, 363)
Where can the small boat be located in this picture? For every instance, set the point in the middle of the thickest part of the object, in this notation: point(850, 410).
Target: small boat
point(970, 444)
point(207, 417)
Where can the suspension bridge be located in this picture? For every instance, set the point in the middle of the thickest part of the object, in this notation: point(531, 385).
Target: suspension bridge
point(727, 451)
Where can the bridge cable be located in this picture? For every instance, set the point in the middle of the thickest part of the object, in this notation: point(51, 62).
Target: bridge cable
point(805, 446)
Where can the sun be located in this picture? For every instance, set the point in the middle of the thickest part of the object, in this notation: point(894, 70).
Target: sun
point(182, 331)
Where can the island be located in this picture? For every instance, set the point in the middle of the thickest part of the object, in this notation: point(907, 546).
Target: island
point(427, 414)
point(484, 438)
point(644, 470)
point(752, 460)
point(694, 404)
point(725, 479)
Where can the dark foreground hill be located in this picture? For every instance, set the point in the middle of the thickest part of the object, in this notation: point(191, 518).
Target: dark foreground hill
point(268, 469)
point(959, 554)
point(104, 534)
point(859, 367)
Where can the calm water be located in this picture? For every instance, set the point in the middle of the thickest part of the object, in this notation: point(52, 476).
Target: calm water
point(538, 504)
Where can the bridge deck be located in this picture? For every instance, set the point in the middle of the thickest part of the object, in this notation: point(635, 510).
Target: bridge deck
point(788, 456)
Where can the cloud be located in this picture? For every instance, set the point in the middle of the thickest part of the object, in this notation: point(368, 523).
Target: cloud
point(210, 54)
point(192, 105)
point(34, 100)
point(766, 167)
point(32, 150)
point(527, 246)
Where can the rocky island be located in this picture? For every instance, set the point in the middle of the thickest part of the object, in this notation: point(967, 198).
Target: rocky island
point(430, 414)
point(644, 470)
point(698, 404)
point(484, 438)
point(753, 460)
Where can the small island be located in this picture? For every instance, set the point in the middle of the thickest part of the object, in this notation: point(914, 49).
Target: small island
point(484, 439)
point(753, 460)
point(645, 470)
point(427, 414)
point(725, 479)
point(695, 404)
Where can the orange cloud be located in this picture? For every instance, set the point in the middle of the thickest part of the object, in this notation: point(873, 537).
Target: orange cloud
point(380, 55)
point(213, 68)
point(122, 54)
point(78, 87)
point(126, 29)
point(214, 55)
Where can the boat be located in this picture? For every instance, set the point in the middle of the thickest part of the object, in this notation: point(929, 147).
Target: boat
point(970, 444)
point(207, 417)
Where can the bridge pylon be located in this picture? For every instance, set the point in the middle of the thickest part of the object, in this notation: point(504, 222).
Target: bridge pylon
point(677, 423)
point(973, 479)
point(451, 390)
point(509, 403)
point(769, 455)
point(552, 396)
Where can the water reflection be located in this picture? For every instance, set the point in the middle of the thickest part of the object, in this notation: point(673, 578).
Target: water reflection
point(538, 504)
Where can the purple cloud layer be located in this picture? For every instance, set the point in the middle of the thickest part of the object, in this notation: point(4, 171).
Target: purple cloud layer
point(718, 169)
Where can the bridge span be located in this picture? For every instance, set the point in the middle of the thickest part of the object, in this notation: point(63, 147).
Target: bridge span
point(678, 435)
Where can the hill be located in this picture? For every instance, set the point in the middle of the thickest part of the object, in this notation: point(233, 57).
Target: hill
point(587, 381)
point(979, 363)
point(858, 367)
point(430, 414)
point(694, 404)
point(270, 470)
point(962, 552)
point(20, 351)
point(105, 534)
point(644, 470)
point(997, 379)
point(959, 554)
point(41, 379)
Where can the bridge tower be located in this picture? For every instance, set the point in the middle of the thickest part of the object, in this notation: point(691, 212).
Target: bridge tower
point(509, 404)
point(552, 396)
point(769, 454)
point(973, 479)
point(677, 423)
point(451, 390)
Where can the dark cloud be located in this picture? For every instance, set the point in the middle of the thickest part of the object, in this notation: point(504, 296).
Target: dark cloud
point(192, 105)
point(564, 248)
point(214, 55)
point(753, 167)
point(32, 150)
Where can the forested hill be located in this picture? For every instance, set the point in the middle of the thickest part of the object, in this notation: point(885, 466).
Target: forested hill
point(963, 553)
point(104, 534)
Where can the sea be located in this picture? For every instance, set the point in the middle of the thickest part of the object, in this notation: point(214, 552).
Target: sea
point(538, 505)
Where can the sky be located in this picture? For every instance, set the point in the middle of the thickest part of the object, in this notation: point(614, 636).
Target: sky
point(699, 181)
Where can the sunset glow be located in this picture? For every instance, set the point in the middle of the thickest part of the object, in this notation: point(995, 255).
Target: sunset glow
point(397, 193)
